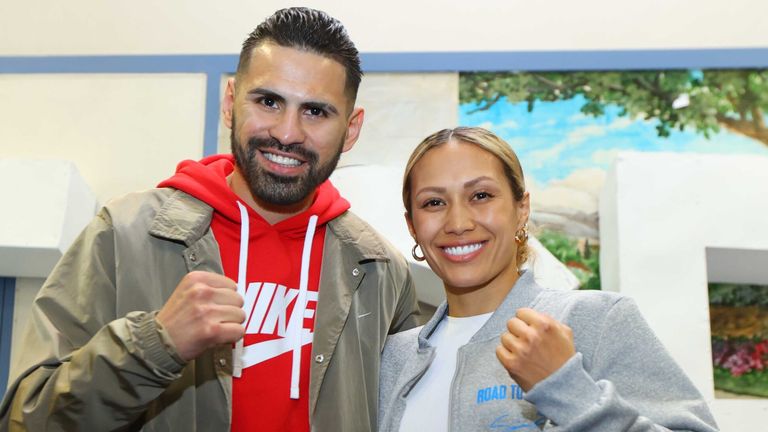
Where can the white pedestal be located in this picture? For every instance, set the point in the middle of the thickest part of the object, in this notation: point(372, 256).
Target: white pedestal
point(45, 205)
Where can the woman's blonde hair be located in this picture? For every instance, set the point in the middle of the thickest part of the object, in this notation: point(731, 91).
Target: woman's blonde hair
point(487, 141)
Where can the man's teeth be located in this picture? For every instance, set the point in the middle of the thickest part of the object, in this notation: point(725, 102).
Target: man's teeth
point(281, 160)
point(462, 250)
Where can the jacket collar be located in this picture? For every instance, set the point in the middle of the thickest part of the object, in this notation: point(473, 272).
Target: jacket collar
point(182, 218)
point(522, 294)
point(363, 244)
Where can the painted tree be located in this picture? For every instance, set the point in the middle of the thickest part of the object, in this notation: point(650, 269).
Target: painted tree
point(704, 101)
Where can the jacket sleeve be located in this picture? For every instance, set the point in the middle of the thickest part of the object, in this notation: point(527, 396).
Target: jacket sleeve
point(631, 384)
point(407, 312)
point(82, 368)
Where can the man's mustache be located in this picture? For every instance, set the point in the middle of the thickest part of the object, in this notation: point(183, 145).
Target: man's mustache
point(256, 143)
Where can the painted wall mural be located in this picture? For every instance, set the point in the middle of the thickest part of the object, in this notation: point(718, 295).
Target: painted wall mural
point(567, 128)
point(739, 324)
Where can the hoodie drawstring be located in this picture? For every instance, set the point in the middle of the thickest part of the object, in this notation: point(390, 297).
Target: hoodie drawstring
point(297, 316)
point(237, 355)
point(296, 322)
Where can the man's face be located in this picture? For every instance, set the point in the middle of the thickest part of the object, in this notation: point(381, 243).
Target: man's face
point(290, 120)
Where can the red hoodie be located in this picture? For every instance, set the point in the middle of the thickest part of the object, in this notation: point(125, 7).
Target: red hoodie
point(271, 272)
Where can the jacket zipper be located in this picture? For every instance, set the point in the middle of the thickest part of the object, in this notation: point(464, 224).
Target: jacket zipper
point(459, 366)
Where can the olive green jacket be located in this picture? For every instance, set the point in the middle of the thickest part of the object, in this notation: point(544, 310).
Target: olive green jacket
point(93, 358)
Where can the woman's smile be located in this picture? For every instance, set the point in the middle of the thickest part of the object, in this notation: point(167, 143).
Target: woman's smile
point(463, 253)
point(465, 219)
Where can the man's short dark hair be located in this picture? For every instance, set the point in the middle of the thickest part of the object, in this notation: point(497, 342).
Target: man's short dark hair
point(309, 30)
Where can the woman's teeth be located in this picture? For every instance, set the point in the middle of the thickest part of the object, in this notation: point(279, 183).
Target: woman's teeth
point(463, 250)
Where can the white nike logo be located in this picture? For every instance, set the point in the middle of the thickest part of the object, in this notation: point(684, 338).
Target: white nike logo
point(266, 310)
point(263, 351)
point(363, 315)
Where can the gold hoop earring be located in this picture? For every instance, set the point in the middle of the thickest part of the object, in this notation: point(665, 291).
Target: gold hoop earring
point(521, 236)
point(417, 257)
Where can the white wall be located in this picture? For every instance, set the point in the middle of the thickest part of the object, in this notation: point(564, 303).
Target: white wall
point(659, 214)
point(124, 132)
point(49, 204)
point(45, 27)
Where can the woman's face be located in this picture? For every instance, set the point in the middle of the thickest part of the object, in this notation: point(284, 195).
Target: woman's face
point(464, 216)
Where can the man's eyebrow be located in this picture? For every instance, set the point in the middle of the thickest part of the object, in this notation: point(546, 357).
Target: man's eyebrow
point(321, 106)
point(266, 92)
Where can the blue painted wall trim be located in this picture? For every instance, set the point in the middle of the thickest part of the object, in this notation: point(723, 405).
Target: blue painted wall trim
point(411, 62)
point(216, 65)
point(212, 107)
point(7, 292)
point(566, 60)
point(119, 64)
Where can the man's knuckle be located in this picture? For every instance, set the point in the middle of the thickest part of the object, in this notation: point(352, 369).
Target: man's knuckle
point(194, 276)
point(201, 291)
point(201, 311)
point(211, 331)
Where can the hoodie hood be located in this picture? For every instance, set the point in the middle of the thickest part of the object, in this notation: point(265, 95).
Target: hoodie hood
point(206, 180)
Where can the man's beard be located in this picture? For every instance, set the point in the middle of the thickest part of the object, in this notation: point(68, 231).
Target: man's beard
point(276, 189)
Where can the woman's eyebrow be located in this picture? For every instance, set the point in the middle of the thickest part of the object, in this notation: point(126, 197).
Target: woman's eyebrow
point(468, 184)
point(475, 181)
point(433, 189)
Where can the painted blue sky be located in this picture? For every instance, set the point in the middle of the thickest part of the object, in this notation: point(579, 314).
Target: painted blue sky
point(556, 139)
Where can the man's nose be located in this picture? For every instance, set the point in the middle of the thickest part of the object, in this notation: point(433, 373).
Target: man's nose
point(288, 128)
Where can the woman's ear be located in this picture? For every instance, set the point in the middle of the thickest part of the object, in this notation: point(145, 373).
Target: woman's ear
point(409, 222)
point(523, 210)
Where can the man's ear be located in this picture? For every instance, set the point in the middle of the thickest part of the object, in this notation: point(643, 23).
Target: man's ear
point(228, 102)
point(354, 124)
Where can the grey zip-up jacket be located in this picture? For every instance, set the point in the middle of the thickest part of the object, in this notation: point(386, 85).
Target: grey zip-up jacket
point(93, 358)
point(621, 378)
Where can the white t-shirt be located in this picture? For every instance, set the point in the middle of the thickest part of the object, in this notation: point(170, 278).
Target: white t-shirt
point(426, 406)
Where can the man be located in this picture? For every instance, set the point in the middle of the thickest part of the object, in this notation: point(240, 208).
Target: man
point(241, 294)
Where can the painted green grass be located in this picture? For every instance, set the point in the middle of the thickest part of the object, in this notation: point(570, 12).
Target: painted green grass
point(751, 383)
point(586, 266)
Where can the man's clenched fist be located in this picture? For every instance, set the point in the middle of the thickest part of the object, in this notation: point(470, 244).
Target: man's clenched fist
point(204, 310)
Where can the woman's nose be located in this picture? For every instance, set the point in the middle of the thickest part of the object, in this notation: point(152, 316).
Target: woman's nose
point(459, 220)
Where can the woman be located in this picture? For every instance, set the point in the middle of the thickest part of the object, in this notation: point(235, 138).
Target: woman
point(501, 353)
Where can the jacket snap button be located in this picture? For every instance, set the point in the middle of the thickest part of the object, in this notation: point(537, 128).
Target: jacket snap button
point(355, 272)
point(193, 257)
point(319, 358)
point(223, 362)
